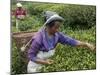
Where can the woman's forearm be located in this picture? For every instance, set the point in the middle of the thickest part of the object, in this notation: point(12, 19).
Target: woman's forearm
point(41, 61)
point(81, 44)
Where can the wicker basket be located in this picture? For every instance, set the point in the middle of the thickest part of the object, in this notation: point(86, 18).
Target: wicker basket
point(21, 38)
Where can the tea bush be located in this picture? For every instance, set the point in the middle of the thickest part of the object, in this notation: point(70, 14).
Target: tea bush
point(76, 16)
point(31, 23)
point(26, 24)
point(66, 58)
point(18, 64)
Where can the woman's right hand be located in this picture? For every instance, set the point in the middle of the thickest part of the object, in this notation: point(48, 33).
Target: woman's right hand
point(46, 62)
point(49, 61)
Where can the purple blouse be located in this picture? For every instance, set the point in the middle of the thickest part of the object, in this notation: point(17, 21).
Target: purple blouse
point(39, 43)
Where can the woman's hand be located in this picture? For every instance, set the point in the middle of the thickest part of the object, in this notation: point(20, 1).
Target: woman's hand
point(46, 62)
point(49, 61)
point(90, 46)
point(87, 45)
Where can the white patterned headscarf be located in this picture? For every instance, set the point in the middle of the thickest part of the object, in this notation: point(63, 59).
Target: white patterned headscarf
point(51, 16)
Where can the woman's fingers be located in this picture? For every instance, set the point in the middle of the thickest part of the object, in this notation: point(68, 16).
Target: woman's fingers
point(50, 61)
point(92, 47)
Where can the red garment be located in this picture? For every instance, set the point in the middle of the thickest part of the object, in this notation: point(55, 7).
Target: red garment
point(20, 12)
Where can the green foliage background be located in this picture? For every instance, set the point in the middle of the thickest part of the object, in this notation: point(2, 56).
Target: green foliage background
point(80, 23)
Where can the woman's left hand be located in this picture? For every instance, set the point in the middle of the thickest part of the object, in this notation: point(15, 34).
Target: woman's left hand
point(90, 46)
point(85, 44)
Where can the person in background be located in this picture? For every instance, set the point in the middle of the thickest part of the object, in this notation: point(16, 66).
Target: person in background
point(20, 14)
point(44, 42)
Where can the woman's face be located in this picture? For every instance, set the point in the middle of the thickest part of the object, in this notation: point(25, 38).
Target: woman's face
point(19, 8)
point(55, 27)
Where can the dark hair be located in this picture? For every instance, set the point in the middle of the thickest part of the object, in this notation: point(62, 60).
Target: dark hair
point(45, 19)
point(52, 23)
